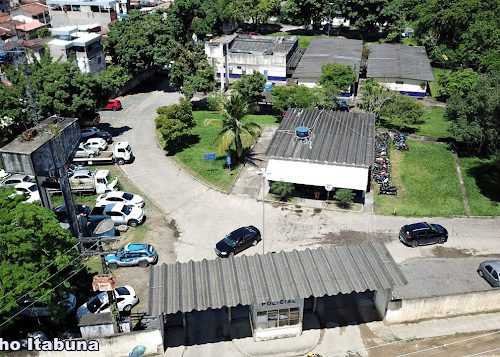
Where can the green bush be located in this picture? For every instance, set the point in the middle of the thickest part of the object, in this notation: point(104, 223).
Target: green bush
point(345, 197)
point(282, 189)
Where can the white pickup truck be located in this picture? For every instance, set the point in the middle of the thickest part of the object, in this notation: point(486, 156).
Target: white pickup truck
point(86, 181)
point(121, 153)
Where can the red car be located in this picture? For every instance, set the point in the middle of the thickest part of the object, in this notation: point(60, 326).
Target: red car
point(113, 104)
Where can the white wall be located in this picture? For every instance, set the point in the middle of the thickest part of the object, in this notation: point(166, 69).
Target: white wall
point(316, 174)
point(114, 346)
point(380, 301)
point(409, 85)
point(443, 306)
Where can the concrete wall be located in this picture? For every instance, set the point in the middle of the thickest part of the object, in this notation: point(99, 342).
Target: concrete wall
point(85, 16)
point(380, 301)
point(408, 85)
point(113, 346)
point(442, 306)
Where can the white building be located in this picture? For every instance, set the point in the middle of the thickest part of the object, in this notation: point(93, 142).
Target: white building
point(323, 148)
point(85, 12)
point(268, 55)
point(83, 48)
point(405, 69)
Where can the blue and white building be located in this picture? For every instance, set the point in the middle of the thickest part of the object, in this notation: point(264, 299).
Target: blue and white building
point(405, 69)
point(244, 54)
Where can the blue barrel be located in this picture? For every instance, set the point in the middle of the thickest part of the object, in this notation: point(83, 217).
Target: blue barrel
point(302, 132)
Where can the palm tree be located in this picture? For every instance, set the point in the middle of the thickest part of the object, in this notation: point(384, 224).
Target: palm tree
point(234, 130)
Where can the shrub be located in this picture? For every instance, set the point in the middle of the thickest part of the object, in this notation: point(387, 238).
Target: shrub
point(344, 196)
point(282, 189)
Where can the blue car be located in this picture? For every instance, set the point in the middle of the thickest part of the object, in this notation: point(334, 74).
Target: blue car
point(132, 255)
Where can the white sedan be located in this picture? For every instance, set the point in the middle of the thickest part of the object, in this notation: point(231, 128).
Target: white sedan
point(120, 197)
point(125, 300)
point(30, 189)
point(96, 143)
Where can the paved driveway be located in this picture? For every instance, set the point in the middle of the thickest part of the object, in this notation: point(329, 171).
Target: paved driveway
point(203, 215)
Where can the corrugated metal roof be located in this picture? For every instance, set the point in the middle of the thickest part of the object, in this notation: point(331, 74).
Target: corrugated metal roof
point(328, 50)
point(336, 137)
point(399, 61)
point(262, 44)
point(244, 280)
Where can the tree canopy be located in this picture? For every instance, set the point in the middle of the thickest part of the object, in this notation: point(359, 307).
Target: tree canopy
point(336, 78)
point(475, 117)
point(174, 123)
point(37, 254)
point(139, 42)
point(250, 87)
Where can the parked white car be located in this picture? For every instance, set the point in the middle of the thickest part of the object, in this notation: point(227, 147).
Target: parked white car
point(125, 300)
point(96, 143)
point(120, 197)
point(13, 180)
point(119, 213)
point(84, 150)
point(30, 189)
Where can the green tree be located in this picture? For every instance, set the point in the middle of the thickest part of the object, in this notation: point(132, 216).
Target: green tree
point(282, 189)
point(403, 109)
point(344, 196)
point(475, 118)
point(336, 78)
point(113, 78)
point(59, 88)
point(375, 96)
point(459, 82)
point(368, 15)
point(256, 10)
point(250, 87)
point(235, 131)
point(295, 97)
point(191, 71)
point(37, 254)
point(303, 11)
point(174, 123)
point(10, 106)
point(139, 42)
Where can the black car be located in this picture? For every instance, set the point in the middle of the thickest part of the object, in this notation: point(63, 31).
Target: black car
point(62, 216)
point(237, 241)
point(423, 233)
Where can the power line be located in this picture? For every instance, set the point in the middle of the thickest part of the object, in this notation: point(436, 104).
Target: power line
point(36, 274)
point(57, 272)
point(50, 290)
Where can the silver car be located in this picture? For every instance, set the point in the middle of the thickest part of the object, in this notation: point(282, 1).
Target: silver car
point(83, 150)
point(15, 179)
point(490, 270)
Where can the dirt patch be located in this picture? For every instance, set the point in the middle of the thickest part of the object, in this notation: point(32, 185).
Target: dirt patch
point(353, 237)
point(444, 252)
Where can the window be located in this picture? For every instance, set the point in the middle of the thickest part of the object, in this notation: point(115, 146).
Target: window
point(94, 8)
point(494, 274)
point(399, 82)
point(66, 8)
point(489, 268)
point(277, 318)
point(75, 7)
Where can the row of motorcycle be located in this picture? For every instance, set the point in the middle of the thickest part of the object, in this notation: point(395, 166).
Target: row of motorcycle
point(381, 170)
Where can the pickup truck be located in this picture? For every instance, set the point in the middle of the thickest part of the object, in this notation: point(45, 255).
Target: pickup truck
point(86, 181)
point(121, 153)
point(119, 213)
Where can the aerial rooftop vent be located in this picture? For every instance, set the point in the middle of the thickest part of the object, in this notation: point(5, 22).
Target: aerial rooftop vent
point(302, 132)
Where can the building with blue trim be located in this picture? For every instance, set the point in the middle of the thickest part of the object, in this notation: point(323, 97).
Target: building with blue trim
point(236, 56)
point(405, 69)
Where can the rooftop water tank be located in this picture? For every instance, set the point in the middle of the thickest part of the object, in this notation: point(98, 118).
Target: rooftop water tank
point(302, 132)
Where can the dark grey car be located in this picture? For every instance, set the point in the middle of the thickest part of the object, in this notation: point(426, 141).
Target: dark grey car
point(490, 270)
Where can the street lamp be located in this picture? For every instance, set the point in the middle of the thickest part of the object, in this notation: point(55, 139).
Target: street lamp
point(264, 174)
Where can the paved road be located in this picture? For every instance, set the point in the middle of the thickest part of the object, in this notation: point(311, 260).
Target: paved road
point(203, 215)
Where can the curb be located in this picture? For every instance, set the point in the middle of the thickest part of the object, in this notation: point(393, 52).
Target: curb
point(307, 206)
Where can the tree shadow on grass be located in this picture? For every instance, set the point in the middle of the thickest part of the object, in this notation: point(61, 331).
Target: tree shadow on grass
point(487, 177)
point(387, 124)
point(186, 142)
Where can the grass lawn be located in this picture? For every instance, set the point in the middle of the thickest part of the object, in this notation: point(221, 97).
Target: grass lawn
point(432, 125)
point(304, 40)
point(481, 179)
point(427, 183)
point(213, 172)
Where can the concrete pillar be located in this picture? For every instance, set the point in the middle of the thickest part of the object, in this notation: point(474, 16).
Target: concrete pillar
point(44, 196)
